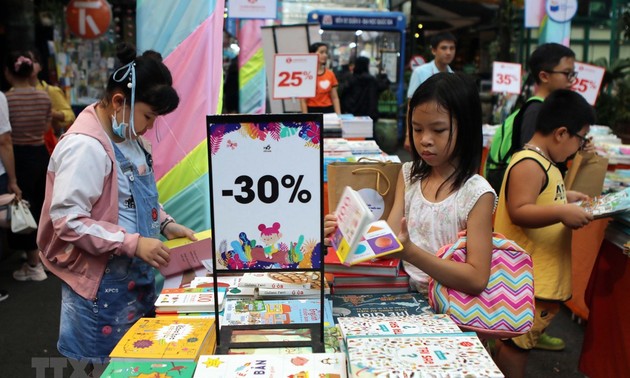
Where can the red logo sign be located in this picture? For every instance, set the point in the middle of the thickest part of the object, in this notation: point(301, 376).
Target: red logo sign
point(88, 18)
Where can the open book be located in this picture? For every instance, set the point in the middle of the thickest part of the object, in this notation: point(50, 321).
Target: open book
point(358, 237)
point(608, 204)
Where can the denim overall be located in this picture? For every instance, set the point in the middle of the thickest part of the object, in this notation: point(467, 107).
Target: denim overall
point(90, 329)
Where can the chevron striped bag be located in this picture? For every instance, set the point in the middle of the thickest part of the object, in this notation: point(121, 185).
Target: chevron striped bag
point(506, 307)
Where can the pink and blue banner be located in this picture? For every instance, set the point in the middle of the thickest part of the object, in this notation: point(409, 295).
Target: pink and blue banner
point(189, 36)
point(251, 65)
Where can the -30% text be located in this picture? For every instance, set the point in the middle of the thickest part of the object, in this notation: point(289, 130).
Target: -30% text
point(268, 189)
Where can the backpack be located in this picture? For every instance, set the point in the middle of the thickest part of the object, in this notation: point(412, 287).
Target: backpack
point(506, 307)
point(505, 142)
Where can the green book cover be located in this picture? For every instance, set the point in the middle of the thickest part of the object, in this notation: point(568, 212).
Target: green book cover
point(155, 368)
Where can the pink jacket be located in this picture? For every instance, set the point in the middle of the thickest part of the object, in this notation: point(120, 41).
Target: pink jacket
point(78, 229)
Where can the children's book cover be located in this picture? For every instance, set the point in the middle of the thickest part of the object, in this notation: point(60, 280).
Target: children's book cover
point(397, 325)
point(187, 254)
point(166, 338)
point(271, 311)
point(370, 305)
point(281, 280)
point(357, 237)
point(608, 204)
point(149, 369)
point(431, 355)
point(322, 365)
point(189, 299)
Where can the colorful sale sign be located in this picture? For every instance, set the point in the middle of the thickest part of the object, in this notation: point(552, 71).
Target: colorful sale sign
point(265, 191)
point(506, 77)
point(588, 81)
point(294, 75)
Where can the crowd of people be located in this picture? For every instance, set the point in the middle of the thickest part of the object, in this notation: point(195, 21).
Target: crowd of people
point(104, 254)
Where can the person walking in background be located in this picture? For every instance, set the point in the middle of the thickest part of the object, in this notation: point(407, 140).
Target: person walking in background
point(8, 181)
point(538, 213)
point(326, 98)
point(62, 113)
point(101, 221)
point(30, 116)
point(439, 193)
point(443, 47)
point(360, 97)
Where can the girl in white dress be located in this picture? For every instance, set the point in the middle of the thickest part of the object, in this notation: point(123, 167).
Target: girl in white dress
point(439, 193)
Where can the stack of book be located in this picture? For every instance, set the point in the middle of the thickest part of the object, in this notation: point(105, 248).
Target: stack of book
point(384, 275)
point(356, 126)
point(379, 305)
point(332, 125)
point(410, 346)
point(190, 301)
point(291, 284)
point(166, 340)
point(246, 311)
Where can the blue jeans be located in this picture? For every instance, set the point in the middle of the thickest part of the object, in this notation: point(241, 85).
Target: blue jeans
point(90, 329)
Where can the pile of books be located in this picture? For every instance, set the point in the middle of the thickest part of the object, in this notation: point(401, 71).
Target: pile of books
point(154, 346)
point(356, 126)
point(409, 346)
point(378, 276)
point(189, 301)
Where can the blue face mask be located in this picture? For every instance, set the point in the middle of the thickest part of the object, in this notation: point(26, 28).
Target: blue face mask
point(122, 130)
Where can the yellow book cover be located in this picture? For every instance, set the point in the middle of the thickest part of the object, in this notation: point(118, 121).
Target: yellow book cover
point(166, 338)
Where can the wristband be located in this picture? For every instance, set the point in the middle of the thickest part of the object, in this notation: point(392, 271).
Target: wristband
point(166, 222)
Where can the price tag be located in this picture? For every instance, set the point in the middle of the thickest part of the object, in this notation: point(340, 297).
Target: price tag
point(588, 81)
point(294, 75)
point(266, 203)
point(506, 77)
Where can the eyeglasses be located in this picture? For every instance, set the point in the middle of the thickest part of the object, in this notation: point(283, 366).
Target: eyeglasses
point(571, 75)
point(583, 139)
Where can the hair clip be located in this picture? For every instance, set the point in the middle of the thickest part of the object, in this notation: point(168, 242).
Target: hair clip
point(129, 85)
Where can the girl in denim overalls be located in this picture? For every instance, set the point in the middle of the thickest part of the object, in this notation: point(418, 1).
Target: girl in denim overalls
point(101, 220)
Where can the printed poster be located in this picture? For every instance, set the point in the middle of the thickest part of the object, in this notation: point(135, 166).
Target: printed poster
point(265, 191)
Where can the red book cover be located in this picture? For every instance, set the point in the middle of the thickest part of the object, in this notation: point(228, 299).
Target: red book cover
point(187, 254)
point(376, 267)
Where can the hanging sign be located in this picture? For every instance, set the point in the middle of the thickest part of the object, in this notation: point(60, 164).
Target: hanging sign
point(506, 77)
point(588, 81)
point(265, 191)
point(252, 9)
point(416, 61)
point(294, 75)
point(561, 10)
point(88, 18)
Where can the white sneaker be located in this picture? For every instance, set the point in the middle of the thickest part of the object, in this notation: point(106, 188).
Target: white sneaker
point(30, 273)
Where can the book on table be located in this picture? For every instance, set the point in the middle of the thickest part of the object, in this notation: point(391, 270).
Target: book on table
point(367, 305)
point(182, 300)
point(157, 368)
point(397, 325)
point(187, 254)
point(358, 237)
point(330, 365)
point(385, 266)
point(166, 338)
point(430, 355)
point(369, 288)
point(275, 311)
point(608, 204)
point(356, 279)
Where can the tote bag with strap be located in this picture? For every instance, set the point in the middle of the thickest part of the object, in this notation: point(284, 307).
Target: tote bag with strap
point(506, 307)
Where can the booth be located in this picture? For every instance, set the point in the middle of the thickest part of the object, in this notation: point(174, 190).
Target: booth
point(379, 36)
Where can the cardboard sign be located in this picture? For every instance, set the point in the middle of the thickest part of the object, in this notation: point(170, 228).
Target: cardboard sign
point(266, 191)
point(588, 81)
point(294, 75)
point(506, 77)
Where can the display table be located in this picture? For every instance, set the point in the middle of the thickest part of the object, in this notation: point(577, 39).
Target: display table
point(606, 348)
point(585, 245)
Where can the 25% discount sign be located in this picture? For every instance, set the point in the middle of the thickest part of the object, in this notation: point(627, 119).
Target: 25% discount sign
point(294, 76)
point(589, 79)
point(267, 189)
point(506, 77)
